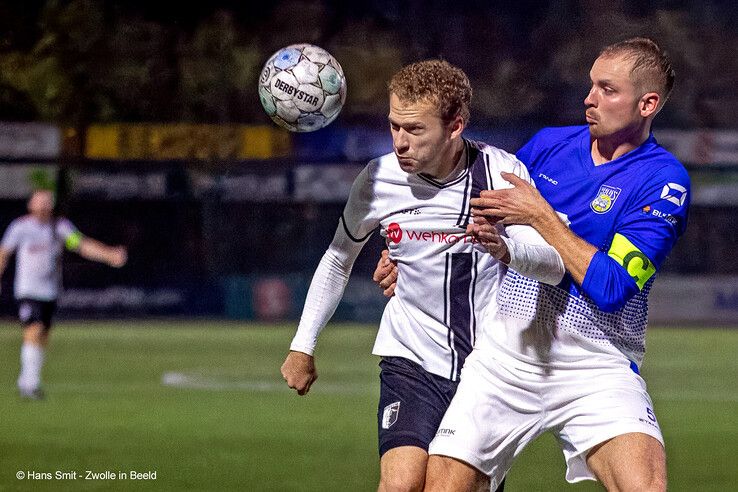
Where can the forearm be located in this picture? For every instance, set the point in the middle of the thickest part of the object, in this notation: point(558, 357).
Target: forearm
point(326, 290)
point(93, 250)
point(325, 293)
point(537, 261)
point(575, 251)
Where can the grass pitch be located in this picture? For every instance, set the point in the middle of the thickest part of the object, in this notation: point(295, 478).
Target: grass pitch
point(203, 406)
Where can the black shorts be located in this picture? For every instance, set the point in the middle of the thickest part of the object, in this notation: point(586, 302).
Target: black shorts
point(31, 311)
point(412, 402)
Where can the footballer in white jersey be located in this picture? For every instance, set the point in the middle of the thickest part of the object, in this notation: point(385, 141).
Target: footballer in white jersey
point(39, 246)
point(418, 197)
point(38, 240)
point(447, 278)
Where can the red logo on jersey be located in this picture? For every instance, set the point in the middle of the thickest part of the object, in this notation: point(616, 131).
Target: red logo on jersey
point(394, 233)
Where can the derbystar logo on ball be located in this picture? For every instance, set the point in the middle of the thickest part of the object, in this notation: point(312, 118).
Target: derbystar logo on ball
point(302, 88)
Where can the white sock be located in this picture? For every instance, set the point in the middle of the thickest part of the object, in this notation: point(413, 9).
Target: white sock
point(32, 360)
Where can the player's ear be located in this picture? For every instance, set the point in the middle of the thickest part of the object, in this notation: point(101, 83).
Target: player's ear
point(456, 126)
point(649, 104)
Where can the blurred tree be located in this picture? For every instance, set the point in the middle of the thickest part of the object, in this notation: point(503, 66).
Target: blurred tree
point(54, 74)
point(218, 70)
point(81, 61)
point(369, 55)
point(15, 104)
point(138, 80)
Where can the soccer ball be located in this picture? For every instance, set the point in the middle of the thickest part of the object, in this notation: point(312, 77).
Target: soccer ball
point(302, 87)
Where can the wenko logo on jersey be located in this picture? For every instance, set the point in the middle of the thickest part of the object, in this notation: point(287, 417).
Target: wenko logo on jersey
point(606, 196)
point(389, 416)
point(674, 193)
point(394, 232)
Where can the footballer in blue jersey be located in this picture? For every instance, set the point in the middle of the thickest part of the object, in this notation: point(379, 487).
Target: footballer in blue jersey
point(564, 359)
point(631, 209)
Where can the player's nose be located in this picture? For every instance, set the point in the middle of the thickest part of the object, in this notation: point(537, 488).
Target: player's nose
point(590, 101)
point(400, 142)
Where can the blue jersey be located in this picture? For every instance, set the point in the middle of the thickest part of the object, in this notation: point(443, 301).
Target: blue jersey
point(632, 209)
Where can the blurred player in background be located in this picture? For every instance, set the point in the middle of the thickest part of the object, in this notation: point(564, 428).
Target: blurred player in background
point(419, 198)
point(39, 239)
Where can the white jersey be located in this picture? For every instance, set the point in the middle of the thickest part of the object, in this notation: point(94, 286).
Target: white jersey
point(445, 279)
point(540, 328)
point(39, 247)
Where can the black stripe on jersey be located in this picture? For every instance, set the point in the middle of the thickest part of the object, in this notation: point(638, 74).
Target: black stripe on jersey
point(460, 309)
point(465, 212)
point(447, 318)
point(479, 179)
point(488, 169)
point(348, 233)
point(475, 276)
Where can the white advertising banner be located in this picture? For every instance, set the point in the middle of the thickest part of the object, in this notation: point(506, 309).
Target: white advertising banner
point(701, 146)
point(29, 141)
point(325, 182)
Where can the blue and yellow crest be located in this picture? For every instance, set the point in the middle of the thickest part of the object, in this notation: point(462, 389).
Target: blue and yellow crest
point(606, 196)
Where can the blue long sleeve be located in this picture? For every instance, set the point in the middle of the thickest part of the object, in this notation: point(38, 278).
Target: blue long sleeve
point(608, 284)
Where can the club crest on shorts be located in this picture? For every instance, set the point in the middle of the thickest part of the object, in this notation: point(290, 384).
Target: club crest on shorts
point(389, 416)
point(606, 196)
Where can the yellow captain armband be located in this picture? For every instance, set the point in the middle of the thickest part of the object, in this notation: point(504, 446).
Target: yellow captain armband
point(632, 259)
point(73, 241)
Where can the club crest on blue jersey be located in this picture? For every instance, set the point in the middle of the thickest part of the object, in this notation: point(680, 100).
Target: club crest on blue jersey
point(389, 416)
point(606, 196)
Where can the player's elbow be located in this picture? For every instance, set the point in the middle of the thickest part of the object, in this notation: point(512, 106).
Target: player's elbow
point(608, 285)
point(556, 274)
point(612, 295)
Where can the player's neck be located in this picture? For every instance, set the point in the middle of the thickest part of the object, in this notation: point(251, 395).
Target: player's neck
point(450, 160)
point(42, 218)
point(611, 147)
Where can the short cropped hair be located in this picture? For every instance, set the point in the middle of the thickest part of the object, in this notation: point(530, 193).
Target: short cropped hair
point(652, 70)
point(437, 82)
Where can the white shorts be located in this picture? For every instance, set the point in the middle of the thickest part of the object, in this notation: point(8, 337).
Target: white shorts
point(499, 409)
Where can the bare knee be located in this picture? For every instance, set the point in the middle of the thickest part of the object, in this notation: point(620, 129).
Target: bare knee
point(647, 482)
point(628, 462)
point(449, 474)
point(400, 484)
point(402, 469)
point(35, 334)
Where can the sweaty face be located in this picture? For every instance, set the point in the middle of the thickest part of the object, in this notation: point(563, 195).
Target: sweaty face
point(419, 136)
point(612, 102)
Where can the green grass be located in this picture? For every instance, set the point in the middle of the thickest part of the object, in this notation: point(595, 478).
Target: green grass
point(242, 429)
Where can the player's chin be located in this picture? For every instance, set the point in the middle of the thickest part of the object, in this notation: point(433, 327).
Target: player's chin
point(595, 130)
point(409, 166)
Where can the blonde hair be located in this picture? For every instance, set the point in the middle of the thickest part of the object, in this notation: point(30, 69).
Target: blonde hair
point(435, 81)
point(652, 70)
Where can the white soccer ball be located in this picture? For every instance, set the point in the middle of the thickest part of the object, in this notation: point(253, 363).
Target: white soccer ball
point(302, 88)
